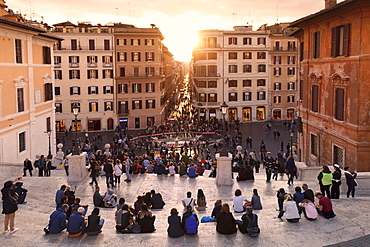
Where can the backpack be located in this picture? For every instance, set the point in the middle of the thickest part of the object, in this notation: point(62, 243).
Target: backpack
point(252, 227)
point(191, 225)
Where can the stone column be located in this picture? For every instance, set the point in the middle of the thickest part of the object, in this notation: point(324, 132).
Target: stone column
point(224, 173)
point(77, 167)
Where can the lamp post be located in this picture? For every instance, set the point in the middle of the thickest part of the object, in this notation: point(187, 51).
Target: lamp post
point(75, 109)
point(224, 108)
point(291, 142)
point(50, 156)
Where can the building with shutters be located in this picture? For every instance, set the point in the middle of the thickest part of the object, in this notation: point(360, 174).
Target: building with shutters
point(334, 85)
point(26, 88)
point(283, 60)
point(145, 76)
point(84, 76)
point(231, 66)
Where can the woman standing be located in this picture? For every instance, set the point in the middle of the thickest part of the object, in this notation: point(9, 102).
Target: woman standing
point(9, 206)
point(117, 170)
point(201, 201)
point(226, 223)
point(325, 180)
point(337, 175)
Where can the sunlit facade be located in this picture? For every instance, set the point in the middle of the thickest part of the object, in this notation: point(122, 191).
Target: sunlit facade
point(26, 89)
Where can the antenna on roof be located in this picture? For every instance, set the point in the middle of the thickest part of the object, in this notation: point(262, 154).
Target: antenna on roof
point(277, 13)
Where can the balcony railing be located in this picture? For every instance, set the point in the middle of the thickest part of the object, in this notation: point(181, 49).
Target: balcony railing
point(92, 65)
point(57, 65)
point(207, 75)
point(107, 64)
point(142, 75)
point(282, 49)
point(74, 65)
point(123, 112)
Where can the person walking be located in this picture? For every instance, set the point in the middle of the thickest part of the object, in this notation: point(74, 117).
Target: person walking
point(9, 205)
point(335, 188)
point(325, 180)
point(291, 169)
point(108, 169)
point(117, 172)
point(268, 163)
point(351, 182)
point(94, 171)
point(65, 164)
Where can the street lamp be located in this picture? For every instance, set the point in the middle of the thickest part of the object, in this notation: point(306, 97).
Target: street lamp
point(50, 156)
point(224, 108)
point(75, 109)
point(291, 142)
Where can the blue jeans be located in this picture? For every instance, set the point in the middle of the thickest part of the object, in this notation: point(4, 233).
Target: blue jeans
point(351, 188)
point(275, 176)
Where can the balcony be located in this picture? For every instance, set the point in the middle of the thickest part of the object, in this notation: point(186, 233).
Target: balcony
point(92, 65)
point(57, 65)
point(107, 65)
point(74, 65)
point(287, 49)
point(142, 75)
point(123, 112)
point(207, 75)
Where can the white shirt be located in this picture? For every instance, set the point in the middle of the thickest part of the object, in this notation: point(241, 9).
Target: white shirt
point(239, 203)
point(117, 170)
point(188, 201)
point(291, 210)
point(171, 169)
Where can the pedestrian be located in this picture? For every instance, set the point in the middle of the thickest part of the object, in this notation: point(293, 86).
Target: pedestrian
point(325, 180)
point(65, 164)
point(117, 172)
point(351, 182)
point(108, 169)
point(291, 169)
point(335, 188)
point(127, 168)
point(48, 166)
point(41, 165)
point(268, 164)
point(94, 168)
point(27, 165)
point(10, 206)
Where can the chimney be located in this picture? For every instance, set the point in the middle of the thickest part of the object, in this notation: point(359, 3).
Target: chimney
point(330, 3)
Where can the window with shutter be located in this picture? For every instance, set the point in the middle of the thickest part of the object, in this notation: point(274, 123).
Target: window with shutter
point(339, 104)
point(316, 45)
point(73, 44)
point(106, 44)
point(315, 98)
point(91, 44)
point(18, 51)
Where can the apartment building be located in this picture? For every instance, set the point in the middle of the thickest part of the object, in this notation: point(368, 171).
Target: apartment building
point(84, 77)
point(231, 66)
point(144, 76)
point(283, 60)
point(26, 89)
point(334, 85)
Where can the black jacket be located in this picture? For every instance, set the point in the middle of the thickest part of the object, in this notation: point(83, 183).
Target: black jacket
point(93, 223)
point(174, 229)
point(225, 223)
point(308, 194)
point(350, 178)
point(245, 220)
point(108, 168)
point(8, 207)
point(157, 201)
point(216, 210)
point(147, 224)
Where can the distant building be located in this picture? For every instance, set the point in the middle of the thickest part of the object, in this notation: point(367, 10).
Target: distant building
point(283, 60)
point(84, 76)
point(334, 85)
point(238, 67)
point(145, 76)
point(26, 89)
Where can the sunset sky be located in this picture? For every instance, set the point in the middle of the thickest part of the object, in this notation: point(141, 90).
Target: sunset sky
point(178, 20)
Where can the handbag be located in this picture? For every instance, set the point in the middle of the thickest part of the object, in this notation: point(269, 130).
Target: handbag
point(13, 199)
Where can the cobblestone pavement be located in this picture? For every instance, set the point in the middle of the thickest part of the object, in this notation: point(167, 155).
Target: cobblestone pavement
point(352, 220)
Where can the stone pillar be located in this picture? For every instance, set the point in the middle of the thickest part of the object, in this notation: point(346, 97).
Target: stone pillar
point(60, 155)
point(224, 173)
point(77, 167)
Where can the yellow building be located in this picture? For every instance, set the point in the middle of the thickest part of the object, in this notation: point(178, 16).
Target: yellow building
point(26, 89)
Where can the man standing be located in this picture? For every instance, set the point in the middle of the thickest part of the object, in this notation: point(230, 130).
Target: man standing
point(94, 171)
point(351, 182)
point(325, 207)
point(108, 169)
point(41, 165)
point(268, 163)
point(127, 168)
point(27, 165)
point(308, 193)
